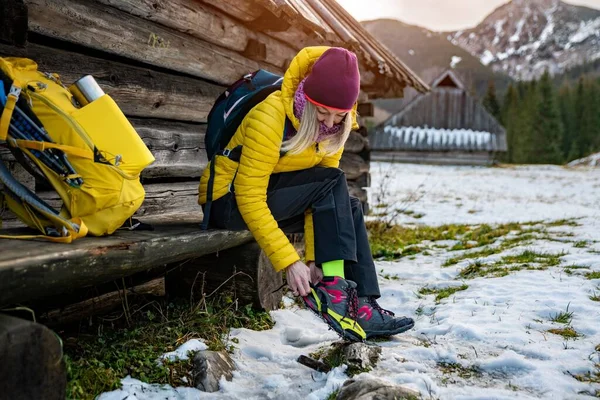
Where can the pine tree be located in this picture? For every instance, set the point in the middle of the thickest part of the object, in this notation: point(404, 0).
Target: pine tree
point(509, 116)
point(490, 101)
point(547, 129)
point(566, 106)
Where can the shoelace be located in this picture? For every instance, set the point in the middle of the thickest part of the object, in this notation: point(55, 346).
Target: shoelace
point(376, 306)
point(352, 310)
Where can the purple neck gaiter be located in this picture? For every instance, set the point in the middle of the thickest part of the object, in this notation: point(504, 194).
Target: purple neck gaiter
point(300, 103)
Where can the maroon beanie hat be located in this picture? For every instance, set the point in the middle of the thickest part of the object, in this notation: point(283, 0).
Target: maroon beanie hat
point(334, 81)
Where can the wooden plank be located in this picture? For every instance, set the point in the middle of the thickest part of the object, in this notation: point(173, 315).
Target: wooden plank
point(13, 22)
point(107, 29)
point(29, 270)
point(139, 92)
point(32, 366)
point(206, 23)
point(177, 147)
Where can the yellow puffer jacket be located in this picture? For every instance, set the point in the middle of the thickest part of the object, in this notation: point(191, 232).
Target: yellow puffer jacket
point(261, 135)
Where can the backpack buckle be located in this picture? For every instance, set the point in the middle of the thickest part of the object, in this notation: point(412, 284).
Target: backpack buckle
point(14, 91)
point(226, 152)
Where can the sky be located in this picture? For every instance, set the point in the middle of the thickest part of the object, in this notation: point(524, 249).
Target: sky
point(437, 15)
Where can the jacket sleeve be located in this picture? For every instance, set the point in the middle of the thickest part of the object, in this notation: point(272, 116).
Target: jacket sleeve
point(263, 127)
point(333, 160)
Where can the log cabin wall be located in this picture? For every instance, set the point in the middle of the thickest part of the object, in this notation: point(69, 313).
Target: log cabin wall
point(166, 61)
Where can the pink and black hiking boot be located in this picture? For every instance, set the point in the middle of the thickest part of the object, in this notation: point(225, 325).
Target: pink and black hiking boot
point(335, 300)
point(376, 321)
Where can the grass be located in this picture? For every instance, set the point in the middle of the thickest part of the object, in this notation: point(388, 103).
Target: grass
point(527, 259)
point(595, 296)
point(593, 275)
point(442, 293)
point(96, 362)
point(593, 376)
point(458, 369)
point(567, 333)
point(391, 242)
point(563, 317)
point(581, 244)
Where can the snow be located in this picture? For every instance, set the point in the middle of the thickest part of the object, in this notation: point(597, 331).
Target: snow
point(497, 327)
point(517, 35)
point(498, 26)
point(590, 161)
point(409, 137)
point(487, 57)
point(181, 353)
point(455, 60)
point(586, 29)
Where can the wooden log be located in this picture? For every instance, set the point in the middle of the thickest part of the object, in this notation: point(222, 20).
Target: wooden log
point(13, 22)
point(169, 199)
point(364, 180)
point(101, 304)
point(32, 365)
point(245, 271)
point(89, 24)
point(209, 24)
point(355, 143)
point(357, 191)
point(177, 147)
point(353, 165)
point(241, 10)
point(317, 365)
point(30, 269)
point(139, 92)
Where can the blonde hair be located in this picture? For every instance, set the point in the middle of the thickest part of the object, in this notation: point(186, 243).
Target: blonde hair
point(308, 131)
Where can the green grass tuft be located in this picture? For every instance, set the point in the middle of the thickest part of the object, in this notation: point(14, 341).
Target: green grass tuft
point(593, 275)
point(442, 293)
point(563, 317)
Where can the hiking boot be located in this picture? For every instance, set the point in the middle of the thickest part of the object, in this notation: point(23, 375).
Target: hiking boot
point(336, 301)
point(376, 321)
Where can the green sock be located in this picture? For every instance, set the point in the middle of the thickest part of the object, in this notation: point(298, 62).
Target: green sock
point(333, 268)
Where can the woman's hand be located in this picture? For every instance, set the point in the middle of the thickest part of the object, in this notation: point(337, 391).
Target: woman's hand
point(316, 273)
point(298, 278)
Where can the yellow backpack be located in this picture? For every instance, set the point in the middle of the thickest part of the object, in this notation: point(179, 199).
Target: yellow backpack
point(89, 153)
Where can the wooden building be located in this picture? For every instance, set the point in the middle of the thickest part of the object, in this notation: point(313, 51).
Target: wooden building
point(444, 126)
point(166, 61)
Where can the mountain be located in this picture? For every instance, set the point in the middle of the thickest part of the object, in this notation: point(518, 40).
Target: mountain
point(429, 53)
point(523, 38)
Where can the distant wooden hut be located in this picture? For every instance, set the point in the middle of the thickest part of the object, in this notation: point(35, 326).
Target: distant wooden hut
point(444, 126)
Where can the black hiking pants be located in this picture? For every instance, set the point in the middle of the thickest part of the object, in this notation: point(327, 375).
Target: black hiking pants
point(339, 227)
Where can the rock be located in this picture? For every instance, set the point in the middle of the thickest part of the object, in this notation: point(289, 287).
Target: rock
point(361, 356)
point(209, 367)
point(374, 389)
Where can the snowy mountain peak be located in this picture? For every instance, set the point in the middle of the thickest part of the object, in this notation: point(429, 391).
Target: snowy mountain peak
point(525, 37)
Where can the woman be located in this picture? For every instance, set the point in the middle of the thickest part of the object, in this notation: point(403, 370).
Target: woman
point(292, 184)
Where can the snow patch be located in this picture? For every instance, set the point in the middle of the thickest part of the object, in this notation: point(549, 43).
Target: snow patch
point(182, 351)
point(487, 57)
point(455, 60)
